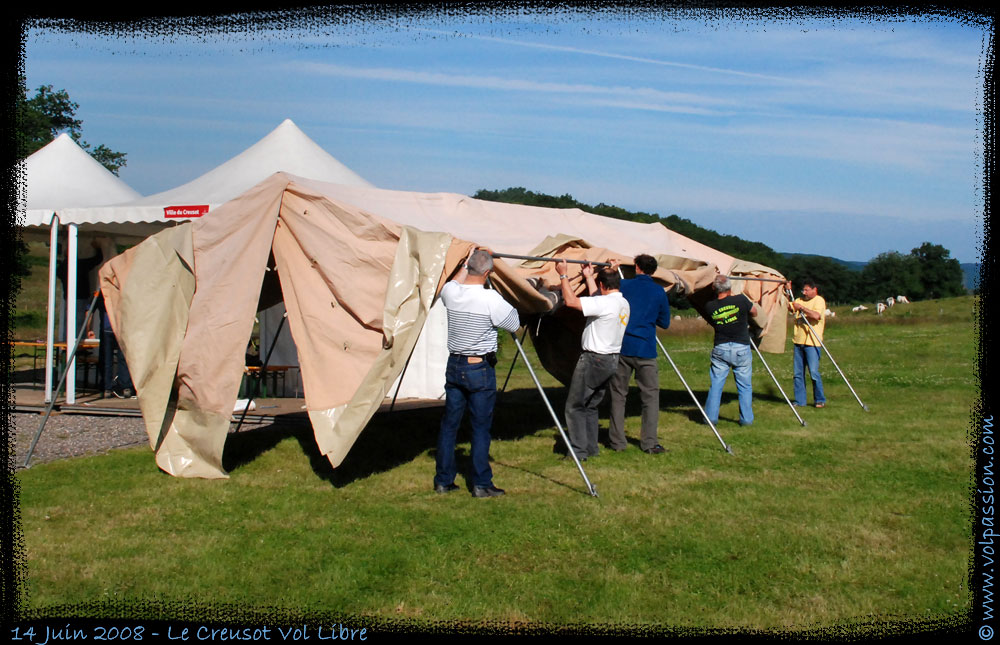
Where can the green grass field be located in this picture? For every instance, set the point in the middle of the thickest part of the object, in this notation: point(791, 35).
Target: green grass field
point(857, 517)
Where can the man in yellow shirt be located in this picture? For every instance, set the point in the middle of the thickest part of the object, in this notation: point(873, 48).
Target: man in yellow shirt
point(806, 341)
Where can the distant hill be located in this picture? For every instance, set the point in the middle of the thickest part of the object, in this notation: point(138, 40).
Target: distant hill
point(853, 265)
point(971, 279)
point(970, 270)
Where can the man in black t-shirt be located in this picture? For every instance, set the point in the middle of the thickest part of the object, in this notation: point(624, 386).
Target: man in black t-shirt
point(729, 316)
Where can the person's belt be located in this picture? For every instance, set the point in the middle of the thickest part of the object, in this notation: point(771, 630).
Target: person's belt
point(490, 357)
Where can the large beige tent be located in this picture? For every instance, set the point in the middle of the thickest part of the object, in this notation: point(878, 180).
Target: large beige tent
point(358, 270)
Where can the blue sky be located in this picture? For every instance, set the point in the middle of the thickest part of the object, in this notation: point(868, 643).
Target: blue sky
point(842, 137)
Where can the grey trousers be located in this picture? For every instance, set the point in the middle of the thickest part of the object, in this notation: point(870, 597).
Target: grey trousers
point(647, 377)
point(591, 377)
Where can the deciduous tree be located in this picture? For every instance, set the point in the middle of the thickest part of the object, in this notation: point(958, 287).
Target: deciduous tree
point(47, 114)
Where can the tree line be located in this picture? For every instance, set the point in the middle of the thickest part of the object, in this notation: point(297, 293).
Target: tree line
point(927, 272)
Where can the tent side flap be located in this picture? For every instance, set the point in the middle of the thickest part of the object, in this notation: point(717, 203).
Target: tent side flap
point(147, 293)
point(420, 262)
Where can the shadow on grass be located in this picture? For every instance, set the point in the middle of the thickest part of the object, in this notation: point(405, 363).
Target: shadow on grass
point(392, 439)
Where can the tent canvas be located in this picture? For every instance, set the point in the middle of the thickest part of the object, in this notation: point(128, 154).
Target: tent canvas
point(358, 271)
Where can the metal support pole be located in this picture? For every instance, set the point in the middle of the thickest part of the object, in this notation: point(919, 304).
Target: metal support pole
point(569, 447)
point(737, 277)
point(693, 397)
point(62, 379)
point(399, 383)
point(543, 259)
point(263, 373)
point(774, 378)
point(820, 341)
point(513, 363)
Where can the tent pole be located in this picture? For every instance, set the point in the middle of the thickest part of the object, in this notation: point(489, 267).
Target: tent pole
point(263, 373)
point(50, 316)
point(820, 341)
point(774, 378)
point(737, 277)
point(693, 397)
point(71, 279)
point(62, 379)
point(590, 487)
point(399, 383)
point(513, 363)
point(543, 259)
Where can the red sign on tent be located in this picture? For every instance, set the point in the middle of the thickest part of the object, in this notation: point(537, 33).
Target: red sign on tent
point(185, 211)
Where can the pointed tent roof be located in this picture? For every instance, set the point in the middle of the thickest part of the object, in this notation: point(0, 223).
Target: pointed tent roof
point(63, 175)
point(284, 149)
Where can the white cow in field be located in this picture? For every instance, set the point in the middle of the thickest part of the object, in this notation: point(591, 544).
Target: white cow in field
point(859, 308)
point(902, 299)
point(890, 301)
point(880, 307)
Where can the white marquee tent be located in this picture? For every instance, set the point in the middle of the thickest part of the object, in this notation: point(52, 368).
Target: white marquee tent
point(58, 176)
point(63, 179)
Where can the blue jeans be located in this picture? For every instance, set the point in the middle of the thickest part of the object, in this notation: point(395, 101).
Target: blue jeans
point(739, 358)
point(590, 382)
point(802, 356)
point(472, 386)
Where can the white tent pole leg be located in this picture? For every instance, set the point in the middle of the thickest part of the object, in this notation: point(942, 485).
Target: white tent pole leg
point(776, 382)
point(590, 487)
point(71, 278)
point(693, 397)
point(50, 315)
point(72, 353)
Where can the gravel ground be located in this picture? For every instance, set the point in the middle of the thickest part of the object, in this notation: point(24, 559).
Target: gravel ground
point(73, 435)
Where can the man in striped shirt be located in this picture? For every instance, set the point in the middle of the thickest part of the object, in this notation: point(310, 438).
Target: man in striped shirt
point(474, 314)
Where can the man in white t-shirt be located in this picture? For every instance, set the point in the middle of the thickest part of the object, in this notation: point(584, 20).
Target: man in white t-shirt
point(474, 314)
point(607, 314)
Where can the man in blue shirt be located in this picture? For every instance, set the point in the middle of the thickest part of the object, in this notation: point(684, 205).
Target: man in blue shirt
point(650, 308)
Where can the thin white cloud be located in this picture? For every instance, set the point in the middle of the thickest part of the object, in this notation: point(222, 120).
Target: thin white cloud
point(675, 101)
point(903, 75)
point(635, 59)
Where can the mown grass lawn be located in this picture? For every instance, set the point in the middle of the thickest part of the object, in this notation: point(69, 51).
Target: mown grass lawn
point(857, 516)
